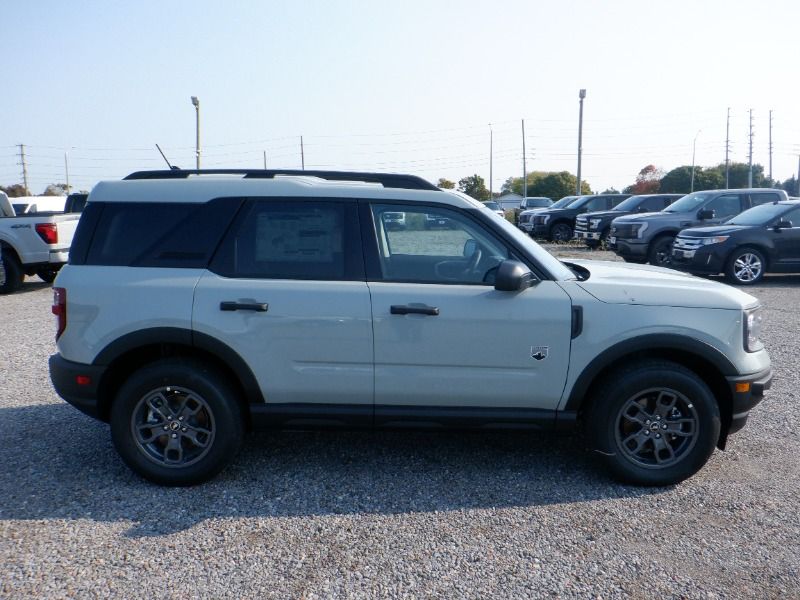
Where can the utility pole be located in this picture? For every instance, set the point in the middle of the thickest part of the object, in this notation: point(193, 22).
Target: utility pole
point(581, 96)
point(491, 158)
point(727, 149)
point(196, 104)
point(24, 168)
point(524, 165)
point(770, 146)
point(797, 179)
point(750, 159)
point(265, 160)
point(66, 170)
point(302, 154)
point(694, 148)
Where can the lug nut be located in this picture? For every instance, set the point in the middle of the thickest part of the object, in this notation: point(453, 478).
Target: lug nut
point(664, 426)
point(183, 429)
point(174, 435)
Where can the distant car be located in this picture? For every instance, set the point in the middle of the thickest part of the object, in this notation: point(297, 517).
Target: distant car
point(558, 224)
point(593, 227)
point(765, 238)
point(394, 220)
point(494, 207)
point(525, 218)
point(535, 202)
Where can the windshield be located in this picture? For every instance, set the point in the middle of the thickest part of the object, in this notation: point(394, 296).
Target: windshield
point(688, 203)
point(629, 205)
point(492, 205)
point(547, 260)
point(760, 215)
point(566, 200)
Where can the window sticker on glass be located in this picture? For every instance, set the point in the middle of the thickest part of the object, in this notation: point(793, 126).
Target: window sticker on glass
point(297, 237)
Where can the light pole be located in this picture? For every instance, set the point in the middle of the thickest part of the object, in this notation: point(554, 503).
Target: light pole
point(491, 157)
point(581, 96)
point(694, 147)
point(196, 104)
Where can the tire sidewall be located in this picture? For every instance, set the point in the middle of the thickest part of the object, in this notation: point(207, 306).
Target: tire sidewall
point(196, 377)
point(14, 274)
point(607, 411)
point(557, 227)
point(666, 242)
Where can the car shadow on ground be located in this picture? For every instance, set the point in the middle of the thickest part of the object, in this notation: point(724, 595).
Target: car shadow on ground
point(59, 464)
point(31, 284)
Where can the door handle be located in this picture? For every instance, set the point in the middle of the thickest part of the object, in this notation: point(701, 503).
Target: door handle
point(399, 309)
point(255, 306)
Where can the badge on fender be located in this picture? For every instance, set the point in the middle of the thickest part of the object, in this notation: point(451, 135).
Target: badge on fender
point(539, 352)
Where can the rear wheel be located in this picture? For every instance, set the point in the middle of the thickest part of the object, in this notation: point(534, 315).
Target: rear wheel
point(661, 252)
point(745, 266)
point(177, 422)
point(654, 423)
point(11, 274)
point(561, 232)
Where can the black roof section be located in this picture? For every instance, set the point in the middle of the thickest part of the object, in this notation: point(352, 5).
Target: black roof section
point(388, 180)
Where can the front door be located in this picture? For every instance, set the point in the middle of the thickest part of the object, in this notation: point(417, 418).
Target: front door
point(444, 337)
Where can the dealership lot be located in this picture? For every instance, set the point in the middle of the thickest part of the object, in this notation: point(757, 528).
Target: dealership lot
point(377, 514)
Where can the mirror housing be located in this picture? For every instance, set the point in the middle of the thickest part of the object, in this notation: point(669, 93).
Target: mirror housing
point(704, 214)
point(513, 276)
point(782, 224)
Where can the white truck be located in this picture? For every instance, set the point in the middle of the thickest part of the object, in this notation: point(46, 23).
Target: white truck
point(34, 243)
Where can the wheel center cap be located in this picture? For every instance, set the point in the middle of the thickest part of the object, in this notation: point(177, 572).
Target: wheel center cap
point(174, 426)
point(654, 427)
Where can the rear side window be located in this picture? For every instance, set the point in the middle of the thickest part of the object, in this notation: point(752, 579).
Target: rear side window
point(146, 234)
point(278, 239)
point(757, 199)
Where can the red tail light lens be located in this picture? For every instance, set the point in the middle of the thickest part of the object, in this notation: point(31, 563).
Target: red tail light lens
point(60, 309)
point(48, 232)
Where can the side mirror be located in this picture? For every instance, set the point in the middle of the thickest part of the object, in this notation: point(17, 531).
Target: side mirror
point(470, 246)
point(513, 276)
point(704, 214)
point(782, 224)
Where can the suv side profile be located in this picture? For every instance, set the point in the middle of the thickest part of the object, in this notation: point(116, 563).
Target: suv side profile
point(648, 237)
point(196, 307)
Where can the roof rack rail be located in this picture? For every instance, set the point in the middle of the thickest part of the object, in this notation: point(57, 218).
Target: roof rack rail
point(388, 180)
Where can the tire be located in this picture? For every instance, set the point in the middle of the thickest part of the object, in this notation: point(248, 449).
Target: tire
point(192, 404)
point(745, 266)
point(561, 232)
point(660, 254)
point(635, 261)
point(47, 275)
point(11, 273)
point(636, 405)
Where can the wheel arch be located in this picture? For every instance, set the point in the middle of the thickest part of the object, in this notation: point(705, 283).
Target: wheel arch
point(134, 350)
point(764, 250)
point(705, 361)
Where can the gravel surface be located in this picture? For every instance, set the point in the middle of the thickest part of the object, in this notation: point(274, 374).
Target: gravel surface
point(315, 515)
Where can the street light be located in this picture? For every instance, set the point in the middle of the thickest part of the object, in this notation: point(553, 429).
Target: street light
point(491, 159)
point(694, 147)
point(581, 96)
point(196, 104)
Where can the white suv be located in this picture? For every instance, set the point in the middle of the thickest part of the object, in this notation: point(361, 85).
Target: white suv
point(196, 306)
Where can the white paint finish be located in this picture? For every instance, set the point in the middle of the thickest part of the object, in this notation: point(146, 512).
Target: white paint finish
point(314, 344)
point(476, 352)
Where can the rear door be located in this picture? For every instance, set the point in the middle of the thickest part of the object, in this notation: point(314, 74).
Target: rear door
point(444, 337)
point(286, 291)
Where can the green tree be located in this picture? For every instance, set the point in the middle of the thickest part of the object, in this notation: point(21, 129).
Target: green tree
point(474, 186)
point(15, 191)
point(552, 184)
point(679, 180)
point(445, 184)
point(611, 190)
point(738, 175)
point(791, 187)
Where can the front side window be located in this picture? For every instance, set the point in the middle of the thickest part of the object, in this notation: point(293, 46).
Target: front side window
point(725, 206)
point(595, 204)
point(291, 240)
point(438, 245)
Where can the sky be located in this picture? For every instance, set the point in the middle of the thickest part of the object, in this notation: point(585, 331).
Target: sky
point(413, 86)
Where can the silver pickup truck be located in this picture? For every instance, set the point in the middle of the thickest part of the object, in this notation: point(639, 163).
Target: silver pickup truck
point(35, 243)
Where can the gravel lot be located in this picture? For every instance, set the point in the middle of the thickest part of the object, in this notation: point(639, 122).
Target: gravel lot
point(391, 514)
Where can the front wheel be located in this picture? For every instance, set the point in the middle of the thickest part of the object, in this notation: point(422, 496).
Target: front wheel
point(654, 423)
point(745, 266)
point(561, 232)
point(661, 252)
point(177, 422)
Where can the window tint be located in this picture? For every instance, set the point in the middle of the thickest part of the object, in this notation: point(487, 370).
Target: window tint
point(725, 206)
point(654, 204)
point(595, 204)
point(437, 245)
point(146, 234)
point(763, 198)
point(293, 240)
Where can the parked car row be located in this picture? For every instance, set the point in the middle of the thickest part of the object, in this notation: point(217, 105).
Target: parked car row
point(742, 233)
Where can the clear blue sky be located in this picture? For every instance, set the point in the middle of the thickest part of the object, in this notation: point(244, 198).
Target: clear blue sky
point(402, 86)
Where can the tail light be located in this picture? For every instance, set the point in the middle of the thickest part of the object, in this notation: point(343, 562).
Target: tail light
point(60, 309)
point(48, 232)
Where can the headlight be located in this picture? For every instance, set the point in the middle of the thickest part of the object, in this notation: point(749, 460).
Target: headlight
point(713, 240)
point(594, 223)
point(641, 230)
point(752, 329)
point(544, 219)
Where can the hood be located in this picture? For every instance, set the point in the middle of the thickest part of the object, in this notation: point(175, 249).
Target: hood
point(699, 232)
point(635, 218)
point(601, 214)
point(531, 211)
point(560, 211)
point(621, 283)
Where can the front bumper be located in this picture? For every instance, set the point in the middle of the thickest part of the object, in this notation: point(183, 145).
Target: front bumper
point(702, 260)
point(628, 248)
point(526, 227)
point(66, 375)
point(747, 391)
point(587, 235)
point(539, 230)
